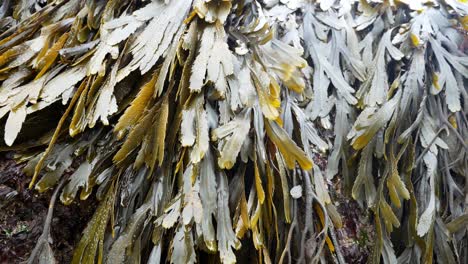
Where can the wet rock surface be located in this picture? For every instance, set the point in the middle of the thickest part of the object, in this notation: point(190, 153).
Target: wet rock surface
point(22, 215)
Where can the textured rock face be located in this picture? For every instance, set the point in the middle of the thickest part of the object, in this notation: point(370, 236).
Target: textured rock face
point(23, 213)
